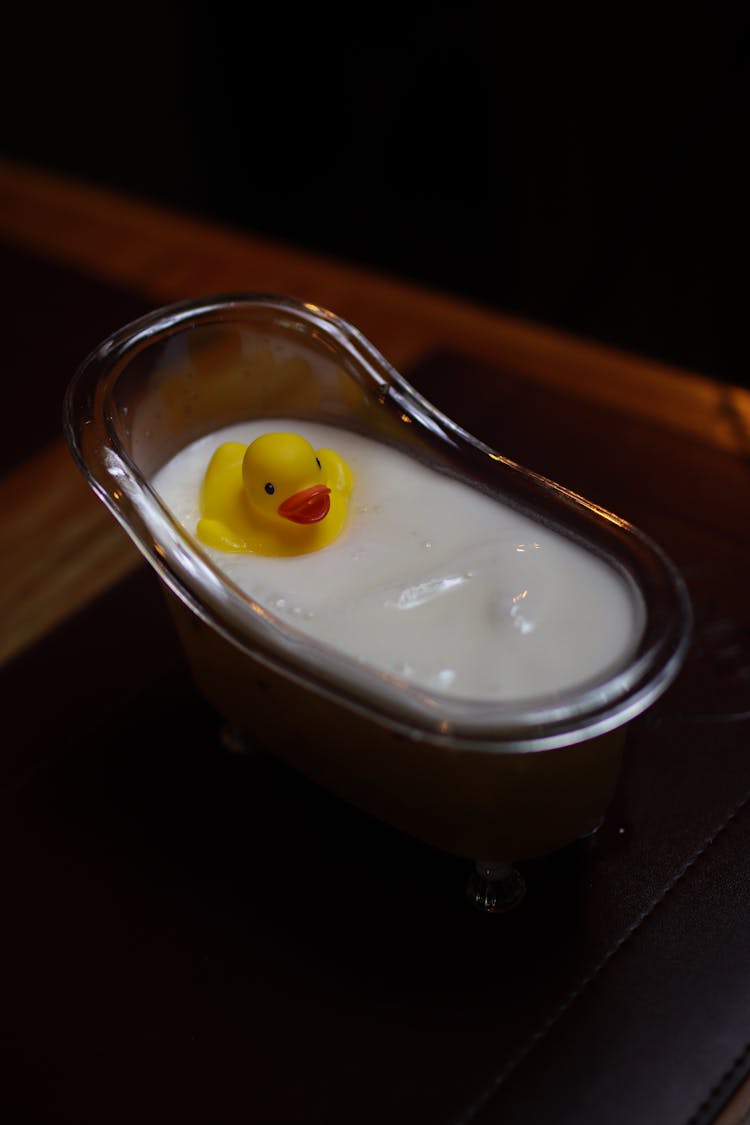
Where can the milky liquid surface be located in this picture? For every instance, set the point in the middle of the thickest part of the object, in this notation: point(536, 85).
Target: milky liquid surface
point(430, 580)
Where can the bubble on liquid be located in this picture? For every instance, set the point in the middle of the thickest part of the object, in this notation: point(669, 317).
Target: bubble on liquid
point(513, 608)
point(499, 606)
point(445, 678)
point(521, 622)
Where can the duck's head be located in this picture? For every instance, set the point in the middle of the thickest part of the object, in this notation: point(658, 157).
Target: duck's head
point(284, 479)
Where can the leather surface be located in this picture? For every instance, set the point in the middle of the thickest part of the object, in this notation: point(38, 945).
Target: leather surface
point(192, 935)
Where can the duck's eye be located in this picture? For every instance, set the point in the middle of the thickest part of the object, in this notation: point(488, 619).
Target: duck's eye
point(270, 488)
point(317, 462)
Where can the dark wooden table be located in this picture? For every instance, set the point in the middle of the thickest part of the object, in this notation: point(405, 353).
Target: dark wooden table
point(195, 936)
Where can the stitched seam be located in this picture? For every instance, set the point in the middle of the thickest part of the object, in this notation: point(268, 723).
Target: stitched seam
point(541, 1032)
point(727, 1079)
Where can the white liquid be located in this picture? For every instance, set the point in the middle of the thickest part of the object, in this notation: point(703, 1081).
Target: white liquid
point(430, 580)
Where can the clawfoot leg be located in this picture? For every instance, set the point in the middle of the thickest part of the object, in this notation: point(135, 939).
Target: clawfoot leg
point(495, 887)
point(234, 741)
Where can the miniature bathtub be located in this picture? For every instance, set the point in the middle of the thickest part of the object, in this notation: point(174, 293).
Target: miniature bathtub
point(491, 781)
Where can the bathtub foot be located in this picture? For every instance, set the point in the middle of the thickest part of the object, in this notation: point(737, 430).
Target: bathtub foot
point(234, 741)
point(495, 887)
point(591, 831)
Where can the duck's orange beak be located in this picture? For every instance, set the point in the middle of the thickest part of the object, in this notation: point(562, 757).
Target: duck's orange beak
point(309, 505)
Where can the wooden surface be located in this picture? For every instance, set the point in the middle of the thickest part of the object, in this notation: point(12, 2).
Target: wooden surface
point(163, 257)
point(168, 257)
point(59, 549)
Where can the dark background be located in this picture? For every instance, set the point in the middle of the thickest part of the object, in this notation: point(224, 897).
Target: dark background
point(584, 171)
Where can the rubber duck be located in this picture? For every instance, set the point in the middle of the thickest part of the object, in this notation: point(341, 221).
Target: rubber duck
point(276, 496)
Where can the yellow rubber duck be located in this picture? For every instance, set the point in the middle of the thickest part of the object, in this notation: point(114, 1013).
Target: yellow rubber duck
point(276, 496)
